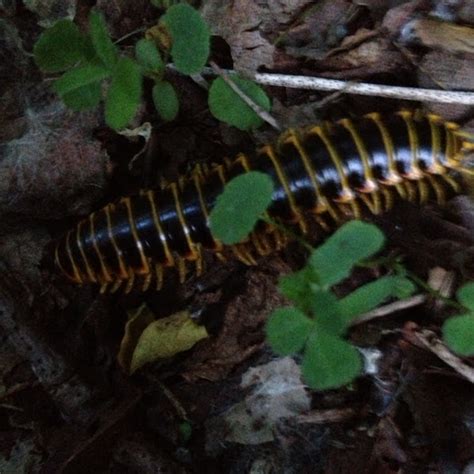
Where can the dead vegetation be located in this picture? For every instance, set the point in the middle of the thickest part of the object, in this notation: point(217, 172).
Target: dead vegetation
point(227, 405)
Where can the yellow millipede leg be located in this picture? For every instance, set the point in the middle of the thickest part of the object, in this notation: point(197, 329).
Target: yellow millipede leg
point(147, 281)
point(423, 191)
point(243, 254)
point(388, 195)
point(452, 182)
point(116, 286)
point(182, 269)
point(411, 190)
point(260, 245)
point(438, 189)
point(402, 191)
point(159, 276)
point(356, 211)
point(198, 260)
point(130, 282)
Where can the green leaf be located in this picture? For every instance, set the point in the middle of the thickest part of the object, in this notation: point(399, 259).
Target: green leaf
point(59, 47)
point(185, 430)
point(165, 338)
point(124, 94)
point(244, 200)
point(191, 38)
point(83, 98)
point(103, 45)
point(465, 295)
point(228, 107)
point(458, 333)
point(297, 288)
point(287, 330)
point(165, 100)
point(79, 77)
point(352, 243)
point(326, 312)
point(371, 295)
point(149, 57)
point(329, 362)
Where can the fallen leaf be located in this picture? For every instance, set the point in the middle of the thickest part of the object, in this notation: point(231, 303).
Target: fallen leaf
point(134, 328)
point(439, 35)
point(165, 338)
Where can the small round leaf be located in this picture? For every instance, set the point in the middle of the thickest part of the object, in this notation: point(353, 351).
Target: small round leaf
point(228, 107)
point(287, 330)
point(330, 362)
point(149, 57)
point(349, 245)
point(191, 38)
point(458, 333)
point(59, 47)
point(465, 295)
point(124, 94)
point(103, 45)
point(165, 100)
point(244, 200)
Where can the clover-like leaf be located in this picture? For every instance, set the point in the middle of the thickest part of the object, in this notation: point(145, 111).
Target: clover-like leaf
point(238, 208)
point(60, 47)
point(349, 245)
point(287, 330)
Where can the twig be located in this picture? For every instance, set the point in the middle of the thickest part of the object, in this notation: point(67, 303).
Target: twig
point(389, 309)
point(263, 114)
point(331, 415)
point(131, 33)
point(429, 340)
point(362, 88)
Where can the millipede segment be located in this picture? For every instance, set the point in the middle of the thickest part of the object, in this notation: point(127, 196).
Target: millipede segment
point(328, 172)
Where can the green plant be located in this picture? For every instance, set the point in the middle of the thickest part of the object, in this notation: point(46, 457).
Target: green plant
point(228, 107)
point(458, 331)
point(317, 322)
point(90, 61)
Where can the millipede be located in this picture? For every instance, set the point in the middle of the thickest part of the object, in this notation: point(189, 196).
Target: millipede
point(328, 172)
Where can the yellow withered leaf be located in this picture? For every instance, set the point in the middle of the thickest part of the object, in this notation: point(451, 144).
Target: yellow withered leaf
point(165, 338)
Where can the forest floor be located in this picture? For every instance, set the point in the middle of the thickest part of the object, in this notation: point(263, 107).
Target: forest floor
point(228, 405)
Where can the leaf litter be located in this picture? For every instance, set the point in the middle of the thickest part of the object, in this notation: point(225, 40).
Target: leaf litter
point(245, 407)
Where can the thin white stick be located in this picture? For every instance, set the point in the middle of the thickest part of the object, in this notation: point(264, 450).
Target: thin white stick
point(361, 88)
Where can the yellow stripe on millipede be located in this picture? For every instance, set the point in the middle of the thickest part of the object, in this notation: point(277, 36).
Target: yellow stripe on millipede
point(77, 273)
point(293, 139)
point(269, 151)
point(179, 210)
point(107, 277)
point(415, 171)
point(394, 176)
point(347, 193)
point(161, 234)
point(197, 184)
point(436, 167)
point(89, 270)
point(122, 266)
point(370, 181)
point(131, 221)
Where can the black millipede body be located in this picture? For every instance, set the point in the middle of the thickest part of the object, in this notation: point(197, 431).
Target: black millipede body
point(330, 171)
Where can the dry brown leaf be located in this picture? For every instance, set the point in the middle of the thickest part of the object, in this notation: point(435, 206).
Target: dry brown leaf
point(242, 334)
point(246, 25)
point(440, 35)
